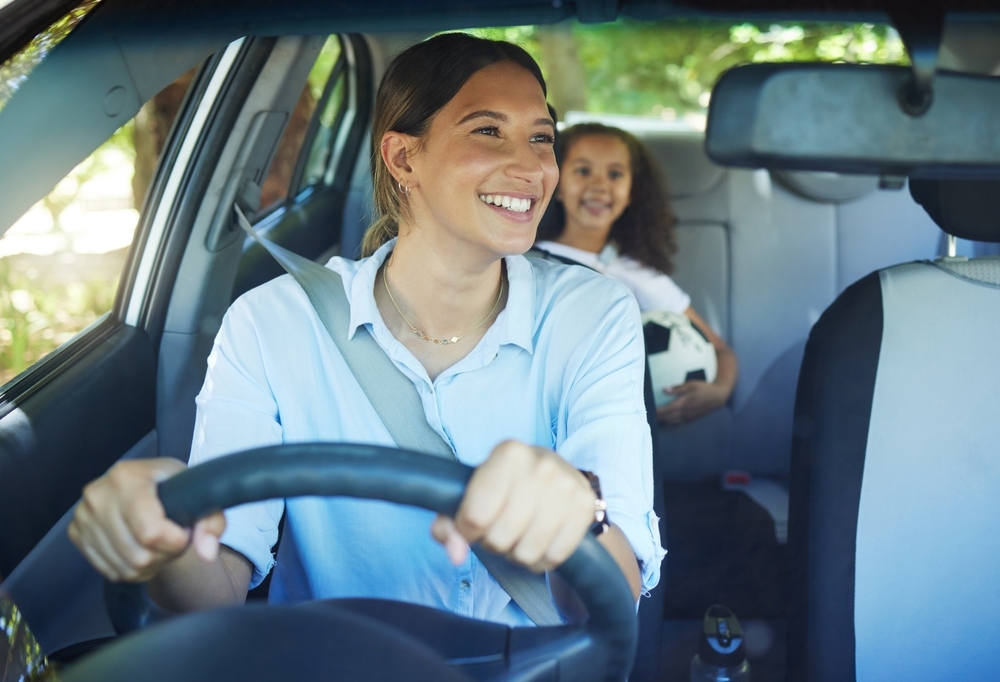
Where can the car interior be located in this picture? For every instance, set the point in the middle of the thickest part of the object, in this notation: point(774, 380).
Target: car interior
point(858, 286)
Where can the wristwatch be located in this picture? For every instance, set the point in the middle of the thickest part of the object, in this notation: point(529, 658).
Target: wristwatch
point(601, 522)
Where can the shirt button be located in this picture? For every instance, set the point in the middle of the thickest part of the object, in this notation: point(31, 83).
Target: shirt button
point(465, 585)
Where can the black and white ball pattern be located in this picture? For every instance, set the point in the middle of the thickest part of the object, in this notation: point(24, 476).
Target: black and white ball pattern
point(678, 351)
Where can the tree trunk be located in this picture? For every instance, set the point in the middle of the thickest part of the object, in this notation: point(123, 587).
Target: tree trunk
point(566, 81)
point(152, 125)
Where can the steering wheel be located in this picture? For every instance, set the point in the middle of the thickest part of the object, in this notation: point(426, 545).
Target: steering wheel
point(368, 639)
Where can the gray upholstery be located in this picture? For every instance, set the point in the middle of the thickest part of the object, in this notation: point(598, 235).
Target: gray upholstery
point(687, 171)
point(702, 264)
point(762, 259)
point(828, 188)
point(985, 271)
point(927, 546)
point(359, 209)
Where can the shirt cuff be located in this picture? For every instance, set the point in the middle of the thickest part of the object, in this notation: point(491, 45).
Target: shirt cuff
point(644, 537)
point(245, 535)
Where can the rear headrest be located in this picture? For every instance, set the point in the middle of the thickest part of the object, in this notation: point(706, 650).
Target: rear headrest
point(969, 209)
point(829, 188)
point(681, 156)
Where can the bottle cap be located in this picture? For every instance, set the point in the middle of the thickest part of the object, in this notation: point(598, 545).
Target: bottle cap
point(721, 638)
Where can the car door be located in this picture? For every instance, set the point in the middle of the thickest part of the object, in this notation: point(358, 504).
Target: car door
point(123, 385)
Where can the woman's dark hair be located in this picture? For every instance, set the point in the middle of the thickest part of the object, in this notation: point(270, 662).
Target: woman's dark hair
point(645, 230)
point(418, 83)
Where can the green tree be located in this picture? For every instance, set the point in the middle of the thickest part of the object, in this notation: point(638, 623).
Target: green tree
point(668, 68)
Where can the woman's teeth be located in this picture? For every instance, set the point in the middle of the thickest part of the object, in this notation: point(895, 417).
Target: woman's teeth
point(510, 203)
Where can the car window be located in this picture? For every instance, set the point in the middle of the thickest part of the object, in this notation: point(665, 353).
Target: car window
point(666, 69)
point(61, 262)
point(324, 90)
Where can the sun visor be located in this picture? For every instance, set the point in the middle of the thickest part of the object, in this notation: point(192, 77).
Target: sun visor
point(847, 118)
point(965, 208)
point(90, 85)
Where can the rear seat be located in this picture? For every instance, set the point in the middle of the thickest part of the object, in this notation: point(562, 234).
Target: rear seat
point(762, 255)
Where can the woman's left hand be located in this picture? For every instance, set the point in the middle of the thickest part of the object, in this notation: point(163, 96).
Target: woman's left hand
point(694, 399)
point(524, 502)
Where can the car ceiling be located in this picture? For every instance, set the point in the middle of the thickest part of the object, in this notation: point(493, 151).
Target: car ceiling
point(21, 19)
point(59, 115)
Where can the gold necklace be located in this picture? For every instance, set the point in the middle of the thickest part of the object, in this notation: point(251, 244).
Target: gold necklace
point(425, 337)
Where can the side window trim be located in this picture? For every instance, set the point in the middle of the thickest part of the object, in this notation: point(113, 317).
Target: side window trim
point(151, 240)
point(345, 119)
point(31, 380)
point(310, 138)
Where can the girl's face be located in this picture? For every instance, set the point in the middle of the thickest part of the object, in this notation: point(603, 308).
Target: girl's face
point(595, 183)
point(486, 169)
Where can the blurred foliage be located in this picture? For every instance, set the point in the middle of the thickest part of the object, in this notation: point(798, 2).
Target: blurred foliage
point(65, 193)
point(668, 68)
point(46, 300)
point(20, 654)
point(323, 67)
point(16, 69)
point(37, 315)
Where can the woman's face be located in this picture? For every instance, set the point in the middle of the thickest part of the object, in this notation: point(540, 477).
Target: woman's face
point(486, 169)
point(595, 183)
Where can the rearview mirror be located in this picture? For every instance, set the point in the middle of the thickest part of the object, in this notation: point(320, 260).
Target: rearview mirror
point(847, 118)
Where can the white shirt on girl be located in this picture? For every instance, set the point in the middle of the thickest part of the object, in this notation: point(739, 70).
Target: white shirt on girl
point(653, 290)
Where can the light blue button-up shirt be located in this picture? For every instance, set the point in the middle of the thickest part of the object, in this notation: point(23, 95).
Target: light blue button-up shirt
point(561, 367)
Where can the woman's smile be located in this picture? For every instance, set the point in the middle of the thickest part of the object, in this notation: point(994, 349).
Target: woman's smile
point(511, 205)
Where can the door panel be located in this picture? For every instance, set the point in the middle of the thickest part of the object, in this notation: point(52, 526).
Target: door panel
point(57, 591)
point(68, 431)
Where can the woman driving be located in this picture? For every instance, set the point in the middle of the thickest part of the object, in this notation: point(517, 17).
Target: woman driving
point(531, 371)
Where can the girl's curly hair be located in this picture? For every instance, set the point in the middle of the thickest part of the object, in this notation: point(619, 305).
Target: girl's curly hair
point(645, 230)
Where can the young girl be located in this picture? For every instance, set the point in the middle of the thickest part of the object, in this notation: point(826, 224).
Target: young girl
point(531, 371)
point(612, 214)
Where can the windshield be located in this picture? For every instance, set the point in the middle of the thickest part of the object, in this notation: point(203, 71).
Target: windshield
point(663, 71)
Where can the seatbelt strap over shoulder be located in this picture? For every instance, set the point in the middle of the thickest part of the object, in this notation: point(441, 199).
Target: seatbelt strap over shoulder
point(398, 405)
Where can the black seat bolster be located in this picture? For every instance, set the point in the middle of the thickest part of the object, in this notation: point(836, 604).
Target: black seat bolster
point(832, 414)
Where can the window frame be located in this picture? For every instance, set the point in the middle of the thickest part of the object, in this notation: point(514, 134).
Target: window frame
point(65, 357)
point(340, 68)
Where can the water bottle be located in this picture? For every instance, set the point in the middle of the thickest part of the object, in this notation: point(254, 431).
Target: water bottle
point(721, 656)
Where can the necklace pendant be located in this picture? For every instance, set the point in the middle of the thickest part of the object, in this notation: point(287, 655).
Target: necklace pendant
point(453, 339)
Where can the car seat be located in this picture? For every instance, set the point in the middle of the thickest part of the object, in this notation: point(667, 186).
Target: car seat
point(895, 467)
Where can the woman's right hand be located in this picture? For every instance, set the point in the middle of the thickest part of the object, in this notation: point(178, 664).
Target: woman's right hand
point(122, 530)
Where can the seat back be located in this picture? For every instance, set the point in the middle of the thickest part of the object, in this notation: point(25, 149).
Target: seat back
point(895, 467)
point(762, 254)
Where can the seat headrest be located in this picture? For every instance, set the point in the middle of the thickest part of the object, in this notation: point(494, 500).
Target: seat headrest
point(969, 209)
point(829, 188)
point(682, 158)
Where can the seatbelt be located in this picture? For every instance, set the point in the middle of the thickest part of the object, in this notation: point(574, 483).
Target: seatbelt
point(398, 405)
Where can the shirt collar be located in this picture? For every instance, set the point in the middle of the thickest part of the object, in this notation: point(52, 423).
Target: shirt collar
point(514, 325)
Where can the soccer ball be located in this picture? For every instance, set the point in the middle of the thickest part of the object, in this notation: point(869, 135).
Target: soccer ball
point(677, 350)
